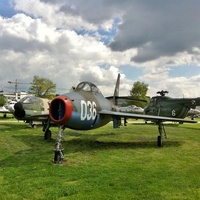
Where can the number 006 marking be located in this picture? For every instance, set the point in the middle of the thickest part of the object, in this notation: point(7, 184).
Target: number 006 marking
point(88, 110)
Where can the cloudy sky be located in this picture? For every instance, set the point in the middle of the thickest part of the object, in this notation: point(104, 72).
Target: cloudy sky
point(68, 41)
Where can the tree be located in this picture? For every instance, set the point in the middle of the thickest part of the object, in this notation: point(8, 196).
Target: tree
point(3, 100)
point(139, 91)
point(42, 87)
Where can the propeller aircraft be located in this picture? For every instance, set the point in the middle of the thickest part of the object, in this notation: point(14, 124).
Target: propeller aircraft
point(86, 108)
point(170, 107)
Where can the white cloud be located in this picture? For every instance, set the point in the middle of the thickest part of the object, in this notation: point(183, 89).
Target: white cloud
point(61, 40)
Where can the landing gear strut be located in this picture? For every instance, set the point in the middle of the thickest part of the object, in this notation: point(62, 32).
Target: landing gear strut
point(31, 124)
point(47, 132)
point(58, 151)
point(161, 130)
point(125, 122)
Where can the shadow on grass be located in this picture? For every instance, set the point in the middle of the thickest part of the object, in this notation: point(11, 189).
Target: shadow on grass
point(81, 145)
point(166, 125)
point(41, 151)
point(16, 126)
point(153, 124)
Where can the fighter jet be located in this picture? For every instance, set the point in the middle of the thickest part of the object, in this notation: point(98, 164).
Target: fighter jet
point(32, 109)
point(86, 108)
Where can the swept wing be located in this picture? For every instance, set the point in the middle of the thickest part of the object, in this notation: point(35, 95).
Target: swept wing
point(145, 117)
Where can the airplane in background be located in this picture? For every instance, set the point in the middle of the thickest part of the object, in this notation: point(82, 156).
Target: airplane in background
point(4, 110)
point(86, 108)
point(192, 113)
point(132, 109)
point(170, 107)
point(11, 106)
point(32, 109)
point(8, 109)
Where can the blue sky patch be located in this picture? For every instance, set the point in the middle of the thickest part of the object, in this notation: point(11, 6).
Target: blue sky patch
point(184, 70)
point(109, 35)
point(131, 72)
point(5, 9)
point(105, 36)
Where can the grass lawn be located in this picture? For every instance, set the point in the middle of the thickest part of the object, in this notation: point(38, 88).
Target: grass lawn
point(104, 163)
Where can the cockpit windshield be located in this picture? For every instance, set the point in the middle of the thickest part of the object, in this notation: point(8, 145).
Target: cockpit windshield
point(28, 99)
point(88, 87)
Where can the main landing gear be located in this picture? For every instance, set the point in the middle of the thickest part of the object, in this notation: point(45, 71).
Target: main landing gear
point(30, 124)
point(58, 151)
point(161, 130)
point(47, 132)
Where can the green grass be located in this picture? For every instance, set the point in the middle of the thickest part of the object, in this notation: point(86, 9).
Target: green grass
point(104, 163)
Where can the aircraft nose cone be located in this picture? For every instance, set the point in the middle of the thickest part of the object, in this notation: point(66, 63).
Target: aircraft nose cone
point(19, 112)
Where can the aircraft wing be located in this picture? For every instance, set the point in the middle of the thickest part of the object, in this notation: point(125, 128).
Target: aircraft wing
point(37, 117)
point(129, 98)
point(145, 117)
point(4, 110)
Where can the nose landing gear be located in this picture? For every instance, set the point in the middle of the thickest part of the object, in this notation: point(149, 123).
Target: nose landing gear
point(161, 130)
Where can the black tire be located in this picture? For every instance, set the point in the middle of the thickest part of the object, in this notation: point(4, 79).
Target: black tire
point(159, 141)
point(47, 135)
point(34, 126)
point(58, 157)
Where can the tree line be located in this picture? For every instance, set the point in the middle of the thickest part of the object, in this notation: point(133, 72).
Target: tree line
point(45, 88)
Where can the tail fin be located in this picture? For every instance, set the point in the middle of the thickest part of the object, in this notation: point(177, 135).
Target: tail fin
point(116, 92)
point(116, 119)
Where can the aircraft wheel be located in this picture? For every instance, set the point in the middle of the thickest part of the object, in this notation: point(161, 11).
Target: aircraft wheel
point(159, 141)
point(47, 135)
point(58, 157)
point(34, 126)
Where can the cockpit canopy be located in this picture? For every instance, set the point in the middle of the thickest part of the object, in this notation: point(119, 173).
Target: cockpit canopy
point(28, 99)
point(157, 99)
point(88, 87)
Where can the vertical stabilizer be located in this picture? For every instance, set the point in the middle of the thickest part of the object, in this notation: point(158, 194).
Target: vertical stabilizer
point(116, 92)
point(116, 119)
